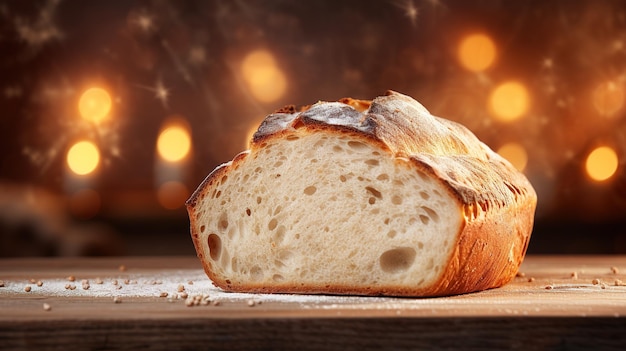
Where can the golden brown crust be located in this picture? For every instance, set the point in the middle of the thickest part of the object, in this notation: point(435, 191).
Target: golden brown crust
point(475, 173)
point(493, 238)
point(497, 201)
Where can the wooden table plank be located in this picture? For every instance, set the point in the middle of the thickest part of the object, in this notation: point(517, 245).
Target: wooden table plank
point(576, 301)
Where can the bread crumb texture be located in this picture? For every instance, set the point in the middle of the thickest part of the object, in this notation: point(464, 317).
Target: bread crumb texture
point(389, 200)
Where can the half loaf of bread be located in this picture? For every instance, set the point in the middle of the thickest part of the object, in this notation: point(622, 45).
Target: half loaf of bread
point(363, 197)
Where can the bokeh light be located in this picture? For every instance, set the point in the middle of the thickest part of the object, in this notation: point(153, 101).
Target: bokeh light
point(172, 194)
point(514, 153)
point(543, 93)
point(608, 98)
point(83, 157)
point(601, 163)
point(477, 52)
point(94, 104)
point(265, 80)
point(509, 101)
point(174, 142)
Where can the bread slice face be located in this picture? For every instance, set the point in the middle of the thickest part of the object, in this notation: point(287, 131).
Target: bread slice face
point(354, 197)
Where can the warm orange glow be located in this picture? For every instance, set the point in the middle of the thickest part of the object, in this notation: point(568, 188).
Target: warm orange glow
point(83, 157)
point(608, 98)
point(477, 52)
point(264, 78)
point(85, 203)
point(172, 194)
point(254, 126)
point(95, 104)
point(601, 163)
point(514, 153)
point(174, 142)
point(509, 101)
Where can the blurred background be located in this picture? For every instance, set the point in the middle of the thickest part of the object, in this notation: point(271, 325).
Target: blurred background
point(112, 112)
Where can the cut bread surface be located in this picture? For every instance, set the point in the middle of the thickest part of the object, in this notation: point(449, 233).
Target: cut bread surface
point(327, 210)
point(359, 197)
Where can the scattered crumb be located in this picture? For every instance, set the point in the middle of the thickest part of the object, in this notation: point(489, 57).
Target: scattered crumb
point(32, 280)
point(27, 288)
point(197, 300)
point(614, 270)
point(86, 286)
point(98, 280)
point(574, 275)
point(114, 282)
point(1, 283)
point(122, 268)
point(190, 282)
point(71, 278)
point(183, 295)
point(163, 294)
point(531, 279)
point(549, 287)
point(603, 286)
point(126, 281)
point(520, 274)
point(117, 299)
point(40, 283)
point(216, 303)
point(118, 287)
point(46, 307)
point(595, 281)
point(251, 303)
point(180, 288)
point(618, 282)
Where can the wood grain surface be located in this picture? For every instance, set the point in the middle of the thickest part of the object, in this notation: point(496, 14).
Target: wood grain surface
point(167, 303)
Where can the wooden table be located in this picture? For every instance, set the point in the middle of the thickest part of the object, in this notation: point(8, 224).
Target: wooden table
point(569, 302)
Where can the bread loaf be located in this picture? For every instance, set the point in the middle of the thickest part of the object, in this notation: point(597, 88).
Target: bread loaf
point(362, 197)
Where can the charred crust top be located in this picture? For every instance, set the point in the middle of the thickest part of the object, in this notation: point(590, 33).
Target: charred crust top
point(472, 171)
